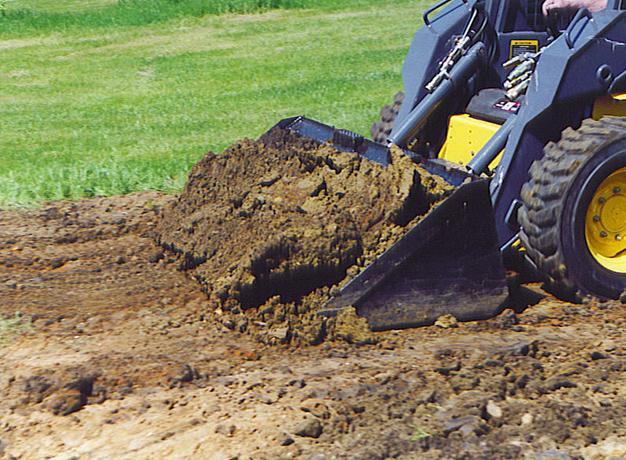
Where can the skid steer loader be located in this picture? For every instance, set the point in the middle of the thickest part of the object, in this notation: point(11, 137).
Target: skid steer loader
point(526, 116)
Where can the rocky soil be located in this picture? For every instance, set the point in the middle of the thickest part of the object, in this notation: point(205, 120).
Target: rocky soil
point(109, 350)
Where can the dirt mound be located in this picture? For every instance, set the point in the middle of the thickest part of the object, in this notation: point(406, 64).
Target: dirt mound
point(279, 221)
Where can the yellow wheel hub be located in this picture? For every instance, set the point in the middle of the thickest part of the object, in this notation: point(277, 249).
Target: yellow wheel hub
point(605, 223)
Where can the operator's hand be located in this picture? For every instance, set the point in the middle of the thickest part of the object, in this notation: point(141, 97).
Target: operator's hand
point(591, 5)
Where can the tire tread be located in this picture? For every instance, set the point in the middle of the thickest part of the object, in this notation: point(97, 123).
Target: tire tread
point(544, 196)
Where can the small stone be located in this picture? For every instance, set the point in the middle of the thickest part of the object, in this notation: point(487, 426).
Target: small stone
point(493, 409)
point(622, 297)
point(119, 260)
point(527, 419)
point(226, 430)
point(522, 381)
point(457, 423)
point(269, 180)
point(520, 349)
point(556, 383)
point(11, 284)
point(447, 321)
point(609, 345)
point(285, 440)
point(428, 396)
point(600, 389)
point(507, 319)
point(298, 383)
point(57, 262)
point(357, 409)
point(317, 408)
point(309, 428)
point(384, 378)
point(66, 402)
point(279, 333)
point(156, 256)
point(267, 398)
point(596, 355)
point(188, 373)
point(446, 370)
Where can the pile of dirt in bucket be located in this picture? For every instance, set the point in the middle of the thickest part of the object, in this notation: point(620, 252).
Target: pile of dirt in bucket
point(270, 227)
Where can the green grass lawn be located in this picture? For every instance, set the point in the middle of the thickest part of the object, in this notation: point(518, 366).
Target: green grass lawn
point(58, 6)
point(109, 109)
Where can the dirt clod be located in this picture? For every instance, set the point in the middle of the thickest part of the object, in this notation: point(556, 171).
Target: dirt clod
point(272, 225)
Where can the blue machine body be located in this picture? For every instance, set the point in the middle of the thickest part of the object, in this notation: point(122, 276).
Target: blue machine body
point(577, 67)
point(452, 260)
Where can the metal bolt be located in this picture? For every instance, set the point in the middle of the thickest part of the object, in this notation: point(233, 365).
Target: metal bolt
point(603, 234)
point(601, 200)
point(596, 218)
point(616, 190)
point(618, 237)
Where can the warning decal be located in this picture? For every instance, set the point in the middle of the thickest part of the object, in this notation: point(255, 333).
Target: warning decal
point(523, 46)
point(507, 106)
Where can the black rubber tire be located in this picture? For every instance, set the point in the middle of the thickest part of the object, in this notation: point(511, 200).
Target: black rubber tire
point(555, 203)
point(381, 129)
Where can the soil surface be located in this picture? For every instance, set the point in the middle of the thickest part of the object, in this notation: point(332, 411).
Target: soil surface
point(114, 352)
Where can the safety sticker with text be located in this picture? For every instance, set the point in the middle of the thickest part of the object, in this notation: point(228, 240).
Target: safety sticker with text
point(523, 46)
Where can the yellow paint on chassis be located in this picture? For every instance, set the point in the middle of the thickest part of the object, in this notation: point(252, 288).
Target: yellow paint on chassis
point(605, 223)
point(610, 106)
point(466, 136)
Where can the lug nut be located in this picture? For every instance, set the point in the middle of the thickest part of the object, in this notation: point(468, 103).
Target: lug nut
point(601, 200)
point(596, 218)
point(616, 190)
point(618, 237)
point(603, 234)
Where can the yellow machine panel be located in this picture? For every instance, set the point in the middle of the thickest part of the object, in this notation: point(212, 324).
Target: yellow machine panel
point(610, 106)
point(466, 136)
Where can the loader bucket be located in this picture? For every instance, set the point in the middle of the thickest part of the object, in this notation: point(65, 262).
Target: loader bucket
point(448, 263)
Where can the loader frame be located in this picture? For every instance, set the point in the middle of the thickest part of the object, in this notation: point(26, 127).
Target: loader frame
point(587, 62)
point(451, 262)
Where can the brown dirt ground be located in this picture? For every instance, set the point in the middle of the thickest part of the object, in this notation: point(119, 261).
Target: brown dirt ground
point(120, 355)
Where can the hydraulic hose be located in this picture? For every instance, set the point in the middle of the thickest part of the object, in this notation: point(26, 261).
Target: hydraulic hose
point(458, 76)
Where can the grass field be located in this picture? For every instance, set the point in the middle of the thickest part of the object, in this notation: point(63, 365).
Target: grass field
point(107, 109)
point(45, 6)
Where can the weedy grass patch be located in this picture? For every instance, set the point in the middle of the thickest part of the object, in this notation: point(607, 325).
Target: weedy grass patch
point(13, 326)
